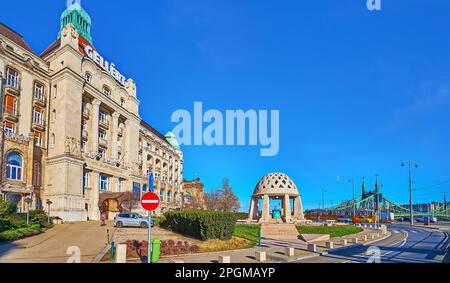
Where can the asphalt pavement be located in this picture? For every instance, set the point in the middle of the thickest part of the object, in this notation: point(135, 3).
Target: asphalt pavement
point(405, 245)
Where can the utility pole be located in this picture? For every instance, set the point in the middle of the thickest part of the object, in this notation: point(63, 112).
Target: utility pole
point(410, 164)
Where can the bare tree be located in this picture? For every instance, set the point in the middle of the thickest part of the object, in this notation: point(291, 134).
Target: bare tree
point(223, 199)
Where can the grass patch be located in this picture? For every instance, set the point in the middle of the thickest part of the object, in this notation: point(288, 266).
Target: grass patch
point(333, 231)
point(248, 232)
point(235, 243)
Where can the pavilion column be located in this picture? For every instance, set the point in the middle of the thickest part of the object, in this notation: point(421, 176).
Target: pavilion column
point(298, 209)
point(94, 125)
point(287, 209)
point(115, 135)
point(266, 209)
point(253, 209)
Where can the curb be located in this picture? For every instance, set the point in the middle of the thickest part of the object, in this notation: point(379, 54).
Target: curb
point(389, 234)
point(99, 257)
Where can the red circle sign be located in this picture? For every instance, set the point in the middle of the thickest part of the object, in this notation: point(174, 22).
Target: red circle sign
point(150, 201)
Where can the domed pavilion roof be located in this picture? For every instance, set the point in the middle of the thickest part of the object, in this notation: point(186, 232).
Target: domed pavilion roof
point(276, 184)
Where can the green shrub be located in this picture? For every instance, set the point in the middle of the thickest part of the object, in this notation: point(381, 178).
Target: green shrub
point(203, 225)
point(6, 208)
point(19, 233)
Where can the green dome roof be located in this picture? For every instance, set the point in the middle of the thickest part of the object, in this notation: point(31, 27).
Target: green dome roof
point(170, 137)
point(76, 15)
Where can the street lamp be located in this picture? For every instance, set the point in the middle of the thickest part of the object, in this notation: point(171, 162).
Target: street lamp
point(410, 164)
point(28, 201)
point(49, 202)
point(323, 198)
point(352, 181)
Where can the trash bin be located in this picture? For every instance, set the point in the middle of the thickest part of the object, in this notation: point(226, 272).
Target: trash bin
point(156, 247)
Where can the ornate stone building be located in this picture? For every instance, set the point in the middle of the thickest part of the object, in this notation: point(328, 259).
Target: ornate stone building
point(72, 128)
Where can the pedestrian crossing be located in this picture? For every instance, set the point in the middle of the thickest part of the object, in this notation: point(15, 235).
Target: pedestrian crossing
point(403, 231)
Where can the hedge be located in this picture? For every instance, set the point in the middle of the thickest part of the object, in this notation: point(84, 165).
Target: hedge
point(203, 225)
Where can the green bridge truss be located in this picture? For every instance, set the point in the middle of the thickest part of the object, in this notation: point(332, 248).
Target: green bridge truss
point(367, 204)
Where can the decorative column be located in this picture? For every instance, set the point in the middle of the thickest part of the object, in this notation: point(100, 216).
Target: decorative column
point(94, 210)
point(114, 135)
point(253, 209)
point(94, 125)
point(127, 140)
point(287, 209)
point(298, 209)
point(266, 209)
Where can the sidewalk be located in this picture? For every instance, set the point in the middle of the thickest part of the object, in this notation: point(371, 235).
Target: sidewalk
point(274, 250)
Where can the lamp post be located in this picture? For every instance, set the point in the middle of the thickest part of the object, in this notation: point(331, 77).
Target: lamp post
point(49, 202)
point(410, 164)
point(28, 201)
point(323, 198)
point(352, 181)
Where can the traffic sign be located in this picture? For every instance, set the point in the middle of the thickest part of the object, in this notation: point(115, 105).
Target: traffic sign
point(150, 201)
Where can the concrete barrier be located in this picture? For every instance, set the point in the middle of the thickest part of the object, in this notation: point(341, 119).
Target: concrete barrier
point(224, 259)
point(355, 240)
point(261, 256)
point(329, 245)
point(121, 253)
point(289, 251)
point(312, 247)
point(344, 242)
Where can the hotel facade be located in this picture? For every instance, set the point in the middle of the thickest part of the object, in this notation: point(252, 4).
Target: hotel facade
point(72, 129)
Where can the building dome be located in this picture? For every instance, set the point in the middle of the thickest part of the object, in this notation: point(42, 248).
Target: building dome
point(172, 140)
point(276, 184)
point(76, 15)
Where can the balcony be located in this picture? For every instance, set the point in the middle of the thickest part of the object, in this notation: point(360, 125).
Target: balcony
point(10, 114)
point(104, 124)
point(103, 142)
point(39, 100)
point(12, 85)
point(38, 123)
point(84, 134)
point(85, 112)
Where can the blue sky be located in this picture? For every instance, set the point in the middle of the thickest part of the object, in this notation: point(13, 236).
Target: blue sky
point(358, 91)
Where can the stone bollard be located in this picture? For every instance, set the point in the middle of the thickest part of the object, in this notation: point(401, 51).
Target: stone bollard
point(378, 235)
point(344, 242)
point(355, 240)
point(177, 261)
point(121, 253)
point(224, 259)
point(329, 245)
point(289, 251)
point(312, 247)
point(372, 236)
point(364, 238)
point(383, 229)
point(260, 256)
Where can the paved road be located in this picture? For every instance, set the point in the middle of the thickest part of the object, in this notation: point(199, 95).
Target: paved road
point(59, 244)
point(406, 245)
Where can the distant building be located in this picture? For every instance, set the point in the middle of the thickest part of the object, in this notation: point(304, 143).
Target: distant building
point(425, 207)
point(194, 195)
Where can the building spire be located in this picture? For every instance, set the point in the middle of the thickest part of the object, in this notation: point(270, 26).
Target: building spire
point(377, 185)
point(75, 14)
point(363, 193)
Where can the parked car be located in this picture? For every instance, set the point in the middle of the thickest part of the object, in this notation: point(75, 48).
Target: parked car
point(131, 219)
point(422, 219)
point(344, 219)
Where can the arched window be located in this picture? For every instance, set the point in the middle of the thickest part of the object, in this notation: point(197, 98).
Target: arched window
point(54, 116)
point(122, 102)
point(88, 77)
point(14, 163)
point(169, 194)
point(106, 91)
point(52, 140)
point(161, 195)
